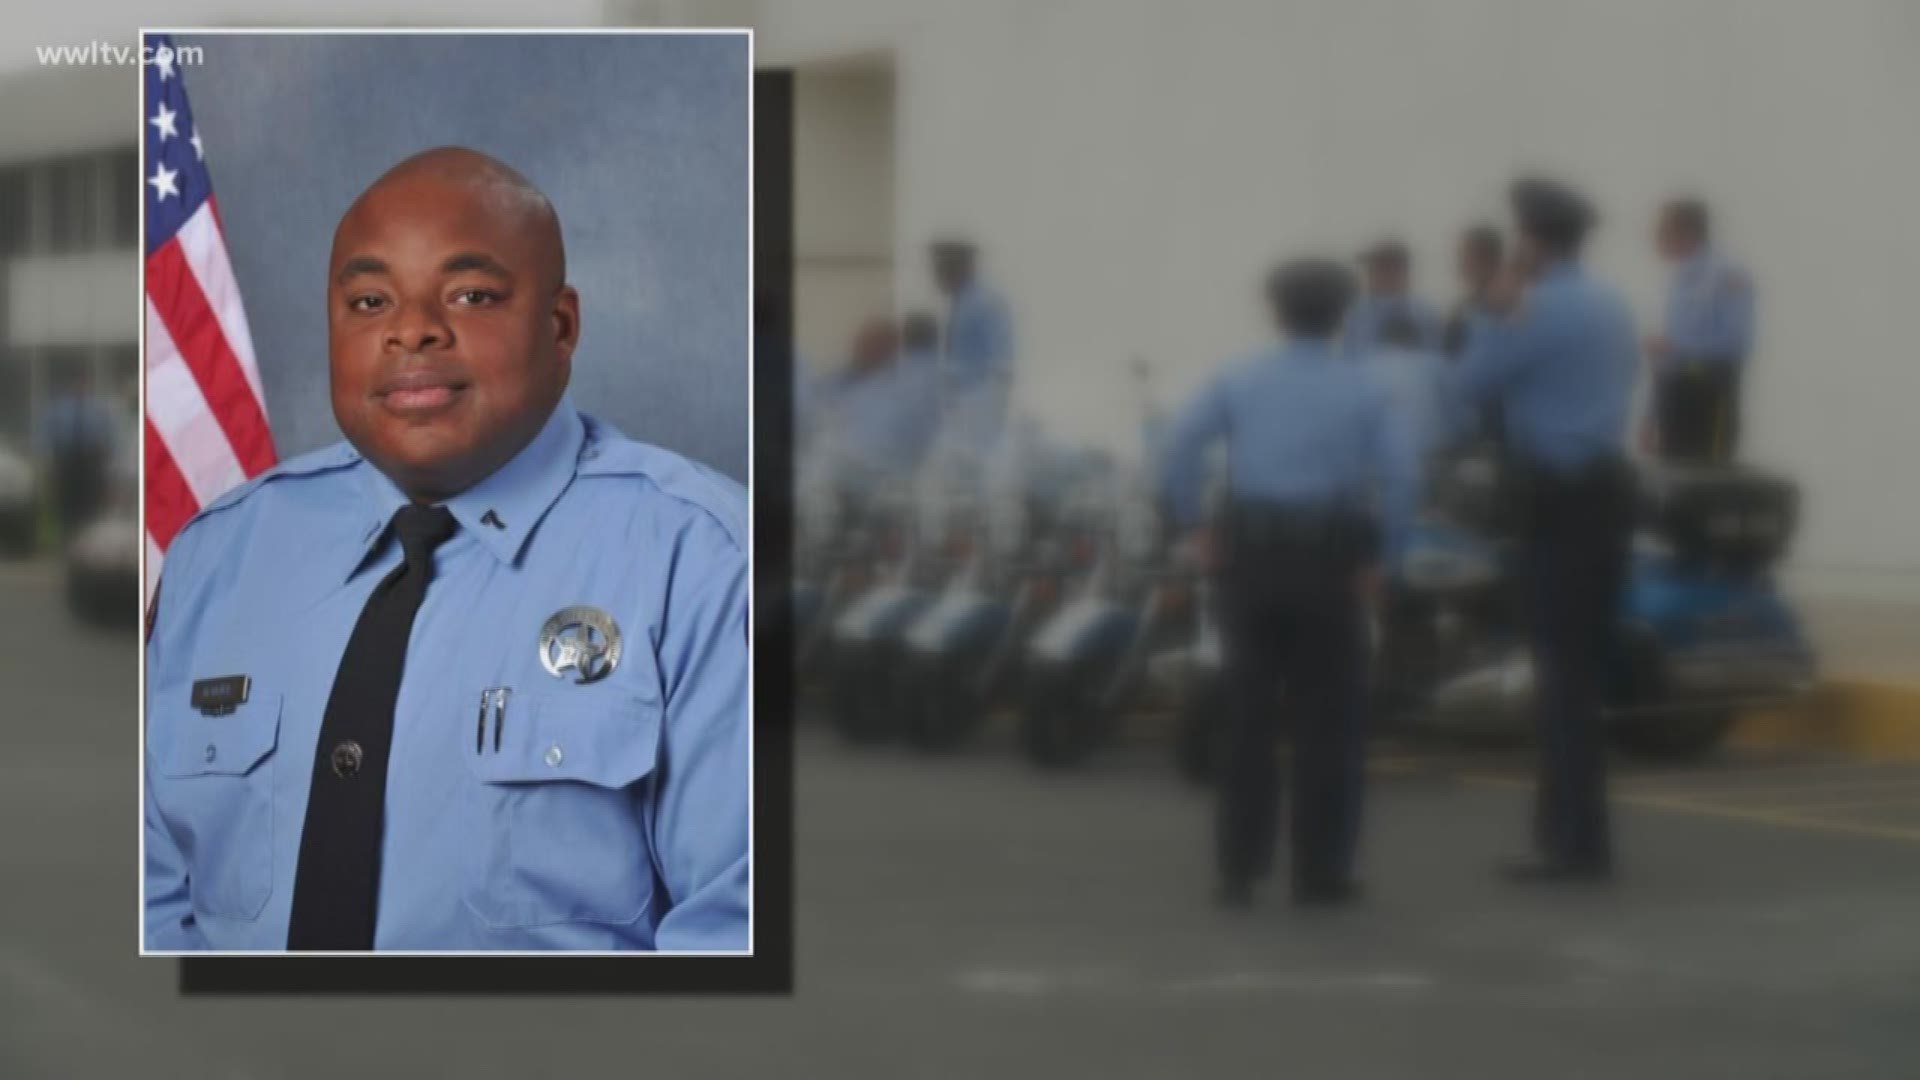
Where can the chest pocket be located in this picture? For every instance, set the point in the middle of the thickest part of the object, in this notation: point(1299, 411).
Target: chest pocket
point(213, 784)
point(559, 805)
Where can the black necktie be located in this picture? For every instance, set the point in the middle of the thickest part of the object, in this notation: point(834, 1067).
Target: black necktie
point(336, 884)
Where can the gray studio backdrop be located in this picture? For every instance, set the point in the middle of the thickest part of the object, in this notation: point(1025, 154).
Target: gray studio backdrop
point(641, 141)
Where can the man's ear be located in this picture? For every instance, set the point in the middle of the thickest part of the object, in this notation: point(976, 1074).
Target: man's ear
point(566, 322)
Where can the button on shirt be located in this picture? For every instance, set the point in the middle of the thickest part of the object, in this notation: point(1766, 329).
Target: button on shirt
point(1304, 427)
point(1709, 317)
point(603, 815)
point(1561, 366)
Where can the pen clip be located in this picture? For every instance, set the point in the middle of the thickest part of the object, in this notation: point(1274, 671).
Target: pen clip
point(499, 714)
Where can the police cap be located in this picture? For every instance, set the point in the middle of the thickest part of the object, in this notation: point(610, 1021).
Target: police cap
point(1551, 212)
point(1310, 295)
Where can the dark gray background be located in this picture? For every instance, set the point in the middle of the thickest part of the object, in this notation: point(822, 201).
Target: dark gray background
point(640, 141)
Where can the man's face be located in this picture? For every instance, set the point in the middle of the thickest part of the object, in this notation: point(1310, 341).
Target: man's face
point(1477, 265)
point(451, 337)
point(1386, 278)
point(1671, 237)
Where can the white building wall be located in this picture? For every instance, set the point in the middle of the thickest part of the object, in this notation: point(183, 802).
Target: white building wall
point(843, 197)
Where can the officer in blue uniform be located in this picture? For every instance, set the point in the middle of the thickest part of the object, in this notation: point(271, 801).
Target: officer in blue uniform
point(1479, 258)
point(979, 346)
point(1703, 347)
point(1558, 353)
point(475, 678)
point(1389, 295)
point(888, 406)
point(1320, 479)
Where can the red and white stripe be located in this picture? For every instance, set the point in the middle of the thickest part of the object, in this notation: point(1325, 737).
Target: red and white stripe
point(206, 422)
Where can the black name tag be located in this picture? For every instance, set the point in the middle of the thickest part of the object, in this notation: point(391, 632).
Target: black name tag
point(218, 697)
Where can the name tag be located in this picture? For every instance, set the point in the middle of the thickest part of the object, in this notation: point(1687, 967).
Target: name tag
point(218, 697)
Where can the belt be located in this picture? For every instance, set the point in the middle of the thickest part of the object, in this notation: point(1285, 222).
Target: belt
point(1268, 526)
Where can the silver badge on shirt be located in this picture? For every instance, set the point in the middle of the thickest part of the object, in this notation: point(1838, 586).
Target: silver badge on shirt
point(583, 640)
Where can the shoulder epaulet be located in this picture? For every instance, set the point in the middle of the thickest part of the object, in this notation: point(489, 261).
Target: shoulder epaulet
point(327, 459)
point(609, 453)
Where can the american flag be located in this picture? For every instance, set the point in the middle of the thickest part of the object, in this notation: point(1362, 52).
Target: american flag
point(206, 418)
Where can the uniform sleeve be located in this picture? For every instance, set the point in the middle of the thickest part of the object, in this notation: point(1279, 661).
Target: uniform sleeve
point(1181, 474)
point(168, 915)
point(1733, 314)
point(1397, 463)
point(699, 811)
point(165, 886)
point(1495, 352)
point(999, 334)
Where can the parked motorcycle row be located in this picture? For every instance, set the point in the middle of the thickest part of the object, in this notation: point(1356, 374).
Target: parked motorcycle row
point(1044, 583)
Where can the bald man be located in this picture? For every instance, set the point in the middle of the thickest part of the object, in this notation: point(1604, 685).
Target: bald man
point(476, 677)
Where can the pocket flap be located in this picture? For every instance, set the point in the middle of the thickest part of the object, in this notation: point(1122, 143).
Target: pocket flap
point(608, 741)
point(230, 745)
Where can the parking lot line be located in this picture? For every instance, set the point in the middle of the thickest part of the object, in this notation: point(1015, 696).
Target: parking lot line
point(1911, 798)
point(1757, 815)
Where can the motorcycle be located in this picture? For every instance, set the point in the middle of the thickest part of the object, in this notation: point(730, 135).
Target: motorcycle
point(1088, 663)
point(1703, 630)
point(963, 653)
point(865, 636)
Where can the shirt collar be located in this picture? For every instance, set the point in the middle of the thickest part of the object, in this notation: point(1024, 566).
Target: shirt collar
point(500, 511)
point(1560, 268)
point(1308, 348)
point(1695, 264)
point(969, 294)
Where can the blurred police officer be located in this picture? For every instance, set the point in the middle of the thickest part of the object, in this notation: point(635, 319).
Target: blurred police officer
point(1389, 275)
point(1411, 374)
point(474, 678)
point(1707, 333)
point(1315, 463)
point(888, 405)
point(979, 345)
point(1477, 260)
point(1560, 359)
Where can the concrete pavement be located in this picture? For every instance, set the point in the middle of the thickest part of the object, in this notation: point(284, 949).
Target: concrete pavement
point(970, 917)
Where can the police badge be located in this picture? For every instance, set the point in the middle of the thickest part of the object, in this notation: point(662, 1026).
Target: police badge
point(584, 640)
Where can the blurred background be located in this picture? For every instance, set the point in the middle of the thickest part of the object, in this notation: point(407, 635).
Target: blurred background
point(1021, 885)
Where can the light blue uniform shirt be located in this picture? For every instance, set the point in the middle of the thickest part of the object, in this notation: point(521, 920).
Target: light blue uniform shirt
point(1372, 312)
point(1412, 380)
point(613, 815)
point(1561, 366)
point(1304, 426)
point(891, 416)
point(979, 341)
point(1709, 312)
